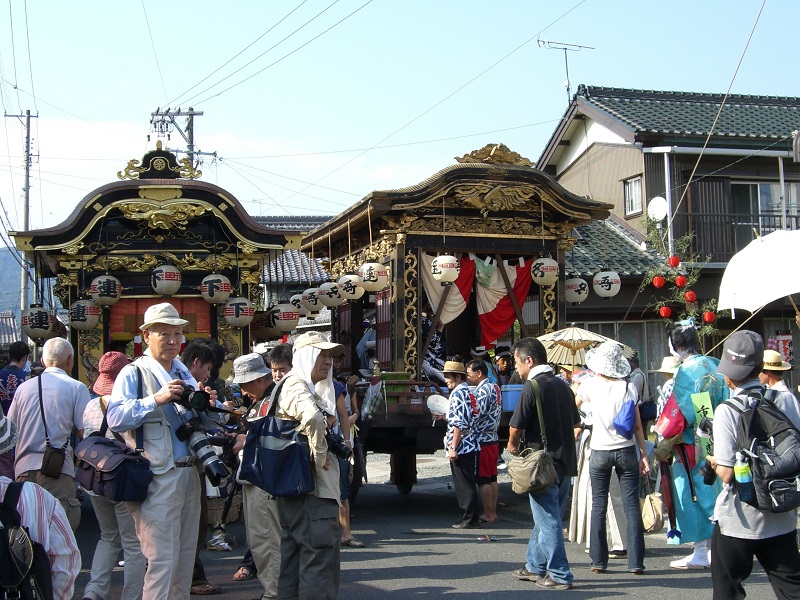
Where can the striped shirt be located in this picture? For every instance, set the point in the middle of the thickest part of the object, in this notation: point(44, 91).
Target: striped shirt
point(47, 524)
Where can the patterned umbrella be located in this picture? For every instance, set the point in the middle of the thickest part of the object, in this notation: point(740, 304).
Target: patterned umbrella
point(568, 346)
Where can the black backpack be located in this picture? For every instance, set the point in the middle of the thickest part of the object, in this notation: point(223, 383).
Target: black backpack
point(771, 442)
point(26, 569)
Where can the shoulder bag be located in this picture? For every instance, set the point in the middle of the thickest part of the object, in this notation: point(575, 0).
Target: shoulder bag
point(533, 471)
point(109, 468)
point(53, 458)
point(276, 455)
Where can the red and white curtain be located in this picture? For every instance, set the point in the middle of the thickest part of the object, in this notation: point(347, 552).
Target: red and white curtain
point(458, 297)
point(495, 309)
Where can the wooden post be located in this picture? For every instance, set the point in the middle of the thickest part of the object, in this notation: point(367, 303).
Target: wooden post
point(435, 321)
point(511, 295)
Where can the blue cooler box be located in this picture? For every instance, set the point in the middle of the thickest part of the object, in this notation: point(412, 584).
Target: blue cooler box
point(510, 395)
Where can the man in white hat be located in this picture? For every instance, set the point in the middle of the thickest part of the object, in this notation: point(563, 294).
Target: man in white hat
point(461, 444)
point(310, 539)
point(46, 521)
point(143, 406)
point(47, 416)
point(772, 373)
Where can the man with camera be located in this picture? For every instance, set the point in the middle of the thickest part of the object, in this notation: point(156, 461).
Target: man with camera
point(149, 397)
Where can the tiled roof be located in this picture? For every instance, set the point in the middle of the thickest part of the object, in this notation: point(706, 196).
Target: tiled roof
point(291, 270)
point(291, 223)
point(689, 113)
point(623, 252)
point(9, 328)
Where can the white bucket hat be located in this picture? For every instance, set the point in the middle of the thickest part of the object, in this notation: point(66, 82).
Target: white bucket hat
point(607, 359)
point(162, 313)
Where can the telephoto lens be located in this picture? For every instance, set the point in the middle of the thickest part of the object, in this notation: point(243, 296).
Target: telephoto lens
point(337, 446)
point(202, 450)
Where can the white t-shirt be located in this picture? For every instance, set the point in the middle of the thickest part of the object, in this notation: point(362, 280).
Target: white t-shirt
point(606, 397)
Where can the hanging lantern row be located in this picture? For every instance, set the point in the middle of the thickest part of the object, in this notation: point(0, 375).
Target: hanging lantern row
point(606, 284)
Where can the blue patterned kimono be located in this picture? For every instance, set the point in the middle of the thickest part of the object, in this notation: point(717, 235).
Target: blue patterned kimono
point(696, 374)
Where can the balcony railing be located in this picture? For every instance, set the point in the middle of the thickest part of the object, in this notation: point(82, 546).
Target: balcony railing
point(720, 236)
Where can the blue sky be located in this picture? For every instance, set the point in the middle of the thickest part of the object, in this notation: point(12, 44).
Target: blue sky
point(342, 97)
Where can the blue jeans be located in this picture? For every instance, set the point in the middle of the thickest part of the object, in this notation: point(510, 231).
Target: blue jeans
point(626, 465)
point(546, 553)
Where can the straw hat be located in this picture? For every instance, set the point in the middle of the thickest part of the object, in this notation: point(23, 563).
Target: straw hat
point(452, 366)
point(669, 364)
point(607, 359)
point(773, 361)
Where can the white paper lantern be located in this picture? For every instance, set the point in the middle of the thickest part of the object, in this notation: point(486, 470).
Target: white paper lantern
point(37, 323)
point(166, 280)
point(58, 330)
point(374, 276)
point(310, 301)
point(445, 269)
point(215, 288)
point(576, 290)
point(285, 316)
point(84, 315)
point(105, 290)
point(544, 271)
point(297, 302)
point(329, 294)
point(350, 287)
point(606, 284)
point(238, 311)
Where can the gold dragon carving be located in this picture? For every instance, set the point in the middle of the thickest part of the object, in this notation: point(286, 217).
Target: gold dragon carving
point(410, 319)
point(176, 216)
point(495, 154)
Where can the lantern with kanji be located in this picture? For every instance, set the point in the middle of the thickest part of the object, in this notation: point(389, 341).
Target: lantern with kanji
point(84, 315)
point(215, 288)
point(374, 276)
point(544, 271)
point(576, 290)
point(37, 323)
point(166, 280)
point(238, 311)
point(350, 286)
point(445, 269)
point(285, 317)
point(310, 301)
point(105, 290)
point(606, 284)
point(297, 302)
point(329, 295)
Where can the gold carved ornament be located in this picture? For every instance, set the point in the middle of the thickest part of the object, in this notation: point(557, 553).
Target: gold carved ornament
point(410, 317)
point(375, 253)
point(187, 170)
point(495, 154)
point(175, 216)
point(549, 313)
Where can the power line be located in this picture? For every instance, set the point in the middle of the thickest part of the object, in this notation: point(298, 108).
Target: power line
point(153, 46)
point(13, 51)
point(30, 62)
point(237, 55)
point(316, 37)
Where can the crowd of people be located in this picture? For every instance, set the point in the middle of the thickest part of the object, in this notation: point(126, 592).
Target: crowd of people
point(293, 542)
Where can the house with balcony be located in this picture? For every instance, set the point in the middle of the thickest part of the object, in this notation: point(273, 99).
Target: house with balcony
point(724, 166)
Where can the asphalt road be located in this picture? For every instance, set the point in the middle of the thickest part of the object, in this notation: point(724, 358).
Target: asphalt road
point(412, 552)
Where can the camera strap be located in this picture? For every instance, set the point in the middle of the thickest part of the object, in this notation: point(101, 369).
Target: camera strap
point(44, 421)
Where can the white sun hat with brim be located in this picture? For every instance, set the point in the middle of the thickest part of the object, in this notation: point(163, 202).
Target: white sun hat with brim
point(607, 359)
point(162, 313)
point(316, 340)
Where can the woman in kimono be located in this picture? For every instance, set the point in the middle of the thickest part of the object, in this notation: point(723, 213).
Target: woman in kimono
point(697, 374)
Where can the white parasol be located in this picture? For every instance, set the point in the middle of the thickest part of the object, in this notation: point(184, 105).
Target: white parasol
point(568, 346)
point(741, 288)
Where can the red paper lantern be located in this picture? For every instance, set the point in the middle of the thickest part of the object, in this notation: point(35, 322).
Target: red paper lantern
point(690, 296)
point(673, 261)
point(709, 316)
point(659, 281)
point(665, 312)
point(680, 281)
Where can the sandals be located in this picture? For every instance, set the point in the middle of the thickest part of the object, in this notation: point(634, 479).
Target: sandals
point(243, 574)
point(353, 543)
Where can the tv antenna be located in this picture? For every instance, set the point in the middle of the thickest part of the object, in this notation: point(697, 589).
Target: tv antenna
point(550, 45)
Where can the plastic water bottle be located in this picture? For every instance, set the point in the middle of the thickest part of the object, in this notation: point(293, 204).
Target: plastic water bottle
point(744, 479)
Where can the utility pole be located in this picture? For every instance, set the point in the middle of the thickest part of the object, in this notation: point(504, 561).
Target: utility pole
point(565, 47)
point(163, 123)
point(25, 211)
